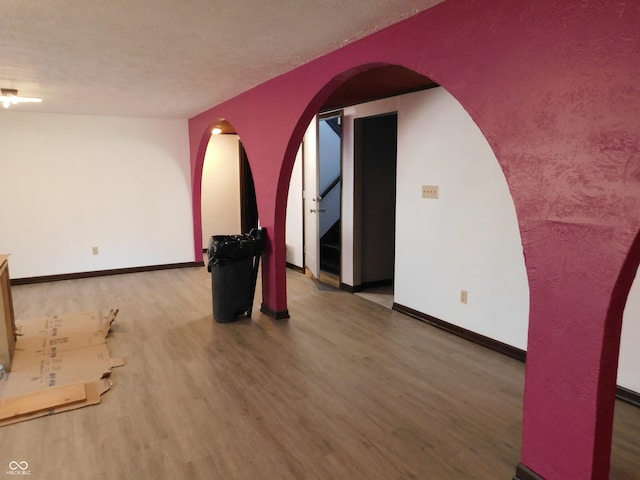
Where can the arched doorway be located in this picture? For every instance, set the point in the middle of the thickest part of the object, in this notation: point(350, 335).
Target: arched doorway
point(228, 200)
point(628, 371)
point(439, 143)
point(627, 416)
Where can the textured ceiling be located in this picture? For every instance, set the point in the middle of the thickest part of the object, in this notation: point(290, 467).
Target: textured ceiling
point(170, 58)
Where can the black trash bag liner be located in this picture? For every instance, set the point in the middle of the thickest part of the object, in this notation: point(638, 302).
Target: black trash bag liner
point(225, 249)
point(233, 263)
point(232, 290)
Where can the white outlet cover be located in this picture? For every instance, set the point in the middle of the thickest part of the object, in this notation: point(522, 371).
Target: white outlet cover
point(430, 191)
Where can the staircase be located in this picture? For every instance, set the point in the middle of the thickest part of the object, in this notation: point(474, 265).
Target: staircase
point(330, 185)
point(330, 250)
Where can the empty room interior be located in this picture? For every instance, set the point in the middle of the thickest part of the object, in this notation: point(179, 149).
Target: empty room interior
point(448, 199)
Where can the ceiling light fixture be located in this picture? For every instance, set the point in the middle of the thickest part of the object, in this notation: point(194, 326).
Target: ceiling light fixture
point(216, 131)
point(9, 96)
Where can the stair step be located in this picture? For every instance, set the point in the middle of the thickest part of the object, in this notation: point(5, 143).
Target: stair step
point(330, 267)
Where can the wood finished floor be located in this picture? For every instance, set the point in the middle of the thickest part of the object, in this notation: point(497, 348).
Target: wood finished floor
point(345, 389)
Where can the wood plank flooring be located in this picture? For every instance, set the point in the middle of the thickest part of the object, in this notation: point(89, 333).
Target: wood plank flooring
point(345, 389)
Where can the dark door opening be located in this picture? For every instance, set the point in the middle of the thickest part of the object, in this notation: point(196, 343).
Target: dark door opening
point(248, 204)
point(375, 161)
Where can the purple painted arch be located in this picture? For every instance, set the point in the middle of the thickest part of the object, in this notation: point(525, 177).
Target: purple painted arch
point(552, 85)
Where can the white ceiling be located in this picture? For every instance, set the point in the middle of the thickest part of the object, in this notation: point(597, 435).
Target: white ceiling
point(170, 58)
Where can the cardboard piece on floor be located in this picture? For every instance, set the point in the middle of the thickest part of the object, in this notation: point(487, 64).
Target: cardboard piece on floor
point(69, 330)
point(40, 372)
point(93, 390)
point(42, 400)
point(56, 359)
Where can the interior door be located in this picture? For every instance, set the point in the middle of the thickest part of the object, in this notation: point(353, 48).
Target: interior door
point(311, 200)
point(375, 166)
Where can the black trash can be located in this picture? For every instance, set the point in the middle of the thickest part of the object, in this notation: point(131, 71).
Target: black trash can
point(233, 263)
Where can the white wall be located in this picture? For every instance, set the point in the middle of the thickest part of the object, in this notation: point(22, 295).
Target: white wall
point(221, 188)
point(72, 182)
point(468, 238)
point(628, 367)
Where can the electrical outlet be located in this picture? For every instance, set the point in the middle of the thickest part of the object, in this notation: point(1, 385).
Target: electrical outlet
point(430, 191)
point(95, 250)
point(463, 296)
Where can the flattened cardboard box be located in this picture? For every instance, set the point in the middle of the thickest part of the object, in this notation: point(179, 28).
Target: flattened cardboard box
point(60, 363)
point(62, 332)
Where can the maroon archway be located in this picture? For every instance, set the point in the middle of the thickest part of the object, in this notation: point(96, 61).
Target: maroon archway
point(552, 87)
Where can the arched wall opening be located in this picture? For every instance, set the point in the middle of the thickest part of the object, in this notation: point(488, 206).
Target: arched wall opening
point(624, 330)
point(228, 202)
point(465, 240)
point(628, 371)
point(628, 375)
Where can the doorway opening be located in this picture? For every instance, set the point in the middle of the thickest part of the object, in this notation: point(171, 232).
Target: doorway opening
point(248, 203)
point(375, 165)
point(329, 204)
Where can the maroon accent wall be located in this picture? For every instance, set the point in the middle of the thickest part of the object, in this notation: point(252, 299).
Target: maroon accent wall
point(553, 86)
